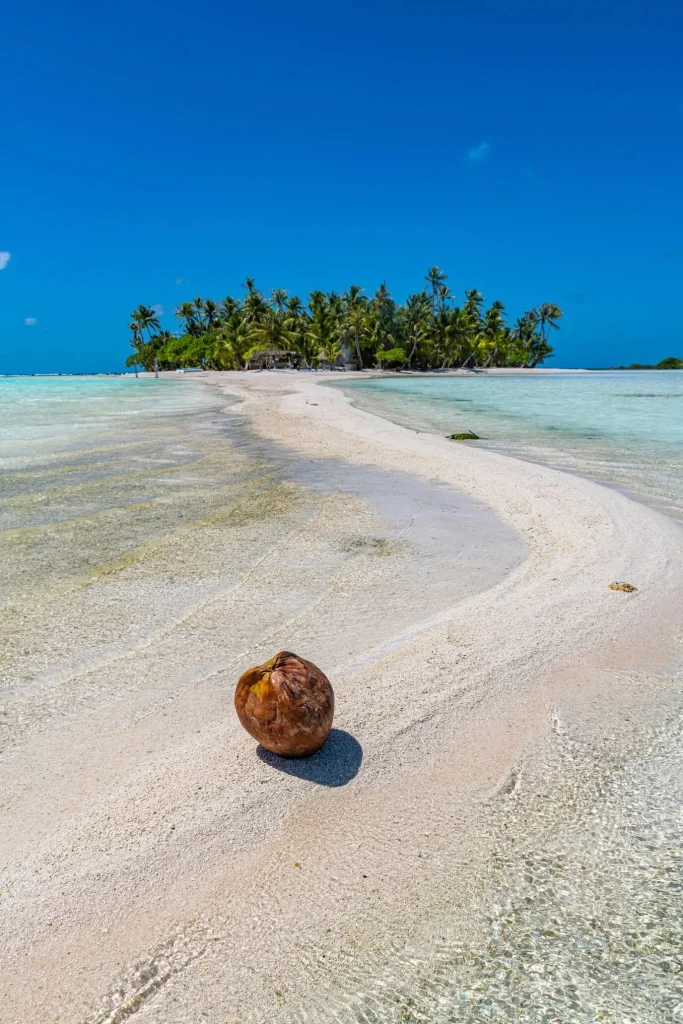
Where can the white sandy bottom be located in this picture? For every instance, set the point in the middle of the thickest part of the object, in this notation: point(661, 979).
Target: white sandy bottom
point(440, 877)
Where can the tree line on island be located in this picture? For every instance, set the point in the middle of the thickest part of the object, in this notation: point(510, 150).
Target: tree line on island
point(429, 330)
point(670, 363)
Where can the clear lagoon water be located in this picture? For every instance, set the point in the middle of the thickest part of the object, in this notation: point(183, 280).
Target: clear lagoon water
point(41, 417)
point(102, 479)
point(624, 427)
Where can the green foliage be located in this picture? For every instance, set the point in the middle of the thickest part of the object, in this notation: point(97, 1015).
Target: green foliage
point(430, 330)
point(390, 357)
point(670, 363)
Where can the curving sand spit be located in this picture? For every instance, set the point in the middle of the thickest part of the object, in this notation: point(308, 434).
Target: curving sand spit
point(155, 869)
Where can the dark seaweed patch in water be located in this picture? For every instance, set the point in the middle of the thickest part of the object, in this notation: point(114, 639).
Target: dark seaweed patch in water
point(379, 546)
point(649, 394)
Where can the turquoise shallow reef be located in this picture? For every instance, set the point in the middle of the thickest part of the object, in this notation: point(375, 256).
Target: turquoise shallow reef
point(625, 427)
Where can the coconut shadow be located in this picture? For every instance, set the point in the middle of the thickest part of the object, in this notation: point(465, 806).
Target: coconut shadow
point(335, 764)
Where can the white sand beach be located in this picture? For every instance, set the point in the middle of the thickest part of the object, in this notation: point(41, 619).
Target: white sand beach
point(156, 869)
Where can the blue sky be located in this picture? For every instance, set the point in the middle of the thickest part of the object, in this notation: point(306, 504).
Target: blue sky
point(154, 152)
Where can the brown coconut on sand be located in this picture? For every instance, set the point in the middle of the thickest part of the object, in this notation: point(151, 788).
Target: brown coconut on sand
point(286, 704)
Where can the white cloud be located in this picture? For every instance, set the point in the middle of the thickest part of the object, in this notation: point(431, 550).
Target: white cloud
point(30, 321)
point(4, 259)
point(158, 309)
point(479, 153)
point(179, 280)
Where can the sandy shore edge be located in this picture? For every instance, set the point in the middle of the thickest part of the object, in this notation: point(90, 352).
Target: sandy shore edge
point(568, 522)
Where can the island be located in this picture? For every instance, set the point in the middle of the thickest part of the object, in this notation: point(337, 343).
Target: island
point(430, 330)
point(670, 363)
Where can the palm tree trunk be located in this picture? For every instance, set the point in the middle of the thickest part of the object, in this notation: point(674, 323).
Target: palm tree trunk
point(412, 351)
point(360, 358)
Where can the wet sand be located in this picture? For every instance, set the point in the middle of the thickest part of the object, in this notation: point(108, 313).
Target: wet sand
point(158, 867)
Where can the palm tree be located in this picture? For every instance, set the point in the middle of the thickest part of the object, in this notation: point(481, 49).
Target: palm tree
point(471, 309)
point(143, 318)
point(211, 311)
point(493, 332)
point(270, 333)
point(474, 300)
point(354, 318)
point(232, 343)
point(295, 307)
point(278, 297)
point(160, 343)
point(199, 312)
point(322, 334)
point(545, 319)
point(186, 313)
point(521, 336)
point(254, 306)
point(548, 314)
point(357, 323)
point(382, 314)
point(441, 336)
point(296, 319)
point(418, 322)
point(458, 336)
point(435, 278)
point(136, 344)
point(383, 301)
point(228, 307)
point(146, 319)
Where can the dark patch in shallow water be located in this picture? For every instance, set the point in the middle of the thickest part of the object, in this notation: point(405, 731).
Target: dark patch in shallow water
point(649, 394)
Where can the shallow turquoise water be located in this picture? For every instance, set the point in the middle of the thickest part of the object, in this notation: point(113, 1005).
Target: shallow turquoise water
point(98, 475)
point(42, 416)
point(622, 427)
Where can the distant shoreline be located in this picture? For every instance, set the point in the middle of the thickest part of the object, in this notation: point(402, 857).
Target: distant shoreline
point(508, 371)
point(495, 370)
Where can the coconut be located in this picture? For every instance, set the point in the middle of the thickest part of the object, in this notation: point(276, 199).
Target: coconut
point(286, 704)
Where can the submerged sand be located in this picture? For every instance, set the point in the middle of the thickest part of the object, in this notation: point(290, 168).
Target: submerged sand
point(490, 695)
